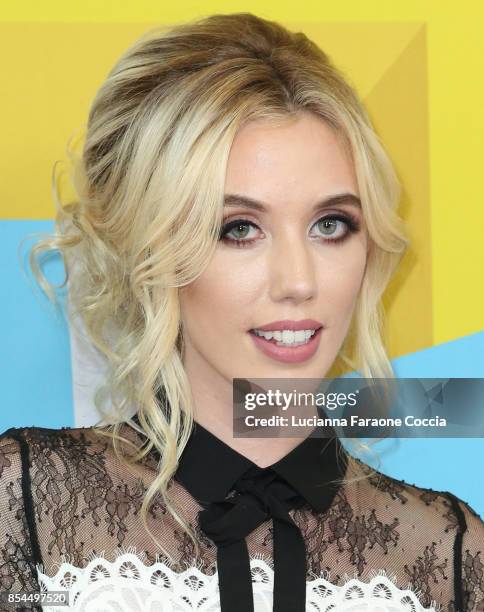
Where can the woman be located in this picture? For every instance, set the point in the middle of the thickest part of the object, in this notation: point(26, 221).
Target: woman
point(231, 195)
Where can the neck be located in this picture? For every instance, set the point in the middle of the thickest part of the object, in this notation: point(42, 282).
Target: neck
point(213, 409)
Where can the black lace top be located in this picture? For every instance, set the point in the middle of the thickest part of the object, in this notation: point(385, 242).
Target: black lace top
point(70, 519)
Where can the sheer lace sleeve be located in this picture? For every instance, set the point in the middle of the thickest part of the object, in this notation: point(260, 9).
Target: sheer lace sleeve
point(17, 547)
point(469, 558)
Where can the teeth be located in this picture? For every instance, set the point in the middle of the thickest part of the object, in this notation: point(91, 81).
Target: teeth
point(287, 337)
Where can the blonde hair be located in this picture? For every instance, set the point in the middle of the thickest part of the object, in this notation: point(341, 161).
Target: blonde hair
point(150, 179)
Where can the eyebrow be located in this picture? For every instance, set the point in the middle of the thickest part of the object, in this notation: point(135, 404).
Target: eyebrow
point(245, 202)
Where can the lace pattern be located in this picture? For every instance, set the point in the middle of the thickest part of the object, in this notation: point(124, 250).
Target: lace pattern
point(132, 586)
point(65, 497)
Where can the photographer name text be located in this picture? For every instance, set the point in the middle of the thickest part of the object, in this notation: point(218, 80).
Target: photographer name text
point(353, 421)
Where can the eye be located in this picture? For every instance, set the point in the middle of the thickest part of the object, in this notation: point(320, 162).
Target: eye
point(240, 229)
point(333, 228)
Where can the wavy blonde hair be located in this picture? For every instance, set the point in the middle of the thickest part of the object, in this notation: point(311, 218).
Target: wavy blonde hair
point(151, 178)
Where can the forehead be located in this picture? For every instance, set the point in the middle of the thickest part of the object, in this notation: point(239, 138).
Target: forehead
point(299, 157)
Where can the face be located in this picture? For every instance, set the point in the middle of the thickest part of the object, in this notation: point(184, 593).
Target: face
point(291, 255)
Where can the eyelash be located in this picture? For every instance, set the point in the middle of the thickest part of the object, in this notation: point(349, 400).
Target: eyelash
point(352, 225)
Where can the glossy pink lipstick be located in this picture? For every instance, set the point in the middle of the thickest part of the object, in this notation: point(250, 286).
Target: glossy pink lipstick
point(288, 354)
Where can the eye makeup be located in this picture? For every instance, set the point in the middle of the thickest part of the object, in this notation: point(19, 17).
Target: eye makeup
point(349, 223)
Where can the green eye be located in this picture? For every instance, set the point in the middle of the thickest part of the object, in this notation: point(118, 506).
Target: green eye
point(240, 234)
point(327, 226)
point(237, 232)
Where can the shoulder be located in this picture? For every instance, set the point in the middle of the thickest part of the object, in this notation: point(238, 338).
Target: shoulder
point(24, 448)
point(441, 508)
point(434, 526)
point(61, 457)
point(49, 438)
point(16, 437)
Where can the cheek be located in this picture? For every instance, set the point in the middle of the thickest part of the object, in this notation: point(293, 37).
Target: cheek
point(340, 282)
point(220, 297)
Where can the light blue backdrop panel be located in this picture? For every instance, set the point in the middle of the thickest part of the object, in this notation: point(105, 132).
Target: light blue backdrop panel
point(36, 378)
point(448, 464)
point(35, 363)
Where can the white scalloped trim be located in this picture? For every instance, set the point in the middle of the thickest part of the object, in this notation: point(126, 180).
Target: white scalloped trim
point(129, 585)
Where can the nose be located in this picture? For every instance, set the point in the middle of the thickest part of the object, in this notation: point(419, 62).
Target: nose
point(292, 269)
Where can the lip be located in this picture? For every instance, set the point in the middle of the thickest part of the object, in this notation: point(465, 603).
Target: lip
point(288, 354)
point(291, 325)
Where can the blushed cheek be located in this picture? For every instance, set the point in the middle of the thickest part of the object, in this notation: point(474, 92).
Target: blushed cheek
point(218, 300)
point(236, 281)
point(340, 289)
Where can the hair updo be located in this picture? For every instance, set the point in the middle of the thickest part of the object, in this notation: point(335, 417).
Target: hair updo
point(151, 178)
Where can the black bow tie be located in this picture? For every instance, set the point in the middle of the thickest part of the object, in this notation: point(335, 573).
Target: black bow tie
point(237, 496)
point(259, 494)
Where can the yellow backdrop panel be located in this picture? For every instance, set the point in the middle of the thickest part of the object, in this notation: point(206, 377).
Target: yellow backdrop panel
point(415, 64)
